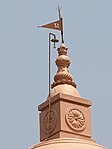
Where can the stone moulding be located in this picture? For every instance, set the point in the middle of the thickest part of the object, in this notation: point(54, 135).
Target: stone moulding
point(65, 97)
point(66, 143)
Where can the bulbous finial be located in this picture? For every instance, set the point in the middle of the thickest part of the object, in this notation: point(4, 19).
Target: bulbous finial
point(63, 75)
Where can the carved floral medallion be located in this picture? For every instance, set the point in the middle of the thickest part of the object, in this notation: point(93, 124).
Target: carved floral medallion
point(49, 121)
point(75, 119)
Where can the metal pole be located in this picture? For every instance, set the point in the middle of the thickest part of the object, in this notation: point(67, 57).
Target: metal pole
point(49, 76)
point(62, 30)
point(49, 57)
point(59, 9)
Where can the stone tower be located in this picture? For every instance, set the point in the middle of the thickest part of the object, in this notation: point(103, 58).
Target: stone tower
point(66, 122)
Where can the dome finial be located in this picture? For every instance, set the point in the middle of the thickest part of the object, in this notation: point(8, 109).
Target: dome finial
point(63, 75)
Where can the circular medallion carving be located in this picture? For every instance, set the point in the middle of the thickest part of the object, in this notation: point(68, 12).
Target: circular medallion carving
point(49, 121)
point(75, 119)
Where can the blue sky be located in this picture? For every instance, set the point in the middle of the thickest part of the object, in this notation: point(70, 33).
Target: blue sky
point(24, 64)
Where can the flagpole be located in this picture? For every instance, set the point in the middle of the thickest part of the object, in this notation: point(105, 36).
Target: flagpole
point(59, 9)
point(62, 30)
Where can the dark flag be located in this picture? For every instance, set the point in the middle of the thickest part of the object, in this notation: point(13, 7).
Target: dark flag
point(57, 25)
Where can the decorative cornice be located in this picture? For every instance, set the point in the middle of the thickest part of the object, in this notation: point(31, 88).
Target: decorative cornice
point(65, 97)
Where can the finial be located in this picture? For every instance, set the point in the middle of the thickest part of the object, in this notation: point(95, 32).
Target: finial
point(63, 75)
point(59, 9)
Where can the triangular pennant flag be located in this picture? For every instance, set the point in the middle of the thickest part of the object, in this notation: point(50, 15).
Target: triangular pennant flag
point(57, 25)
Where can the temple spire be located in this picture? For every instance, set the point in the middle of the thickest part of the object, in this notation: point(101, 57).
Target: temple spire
point(65, 118)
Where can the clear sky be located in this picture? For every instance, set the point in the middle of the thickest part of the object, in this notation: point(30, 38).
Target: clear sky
point(24, 64)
